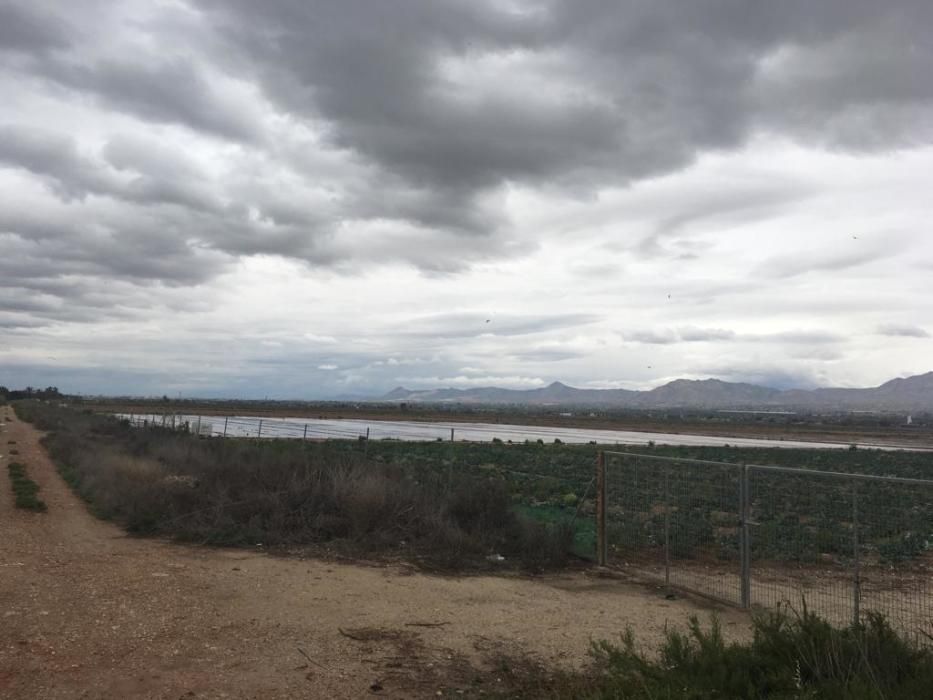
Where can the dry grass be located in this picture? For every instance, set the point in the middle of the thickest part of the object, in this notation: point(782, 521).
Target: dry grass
point(239, 492)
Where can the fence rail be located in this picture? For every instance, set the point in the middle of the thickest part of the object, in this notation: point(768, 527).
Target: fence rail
point(763, 536)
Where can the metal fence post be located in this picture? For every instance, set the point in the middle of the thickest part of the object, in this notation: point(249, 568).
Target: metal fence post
point(602, 549)
point(226, 418)
point(667, 527)
point(856, 573)
point(745, 549)
point(305, 436)
point(259, 432)
point(198, 431)
point(451, 434)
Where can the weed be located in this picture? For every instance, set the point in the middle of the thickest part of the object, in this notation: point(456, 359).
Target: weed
point(240, 492)
point(25, 490)
point(790, 656)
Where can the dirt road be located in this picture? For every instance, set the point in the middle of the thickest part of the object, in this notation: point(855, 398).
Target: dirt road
point(87, 612)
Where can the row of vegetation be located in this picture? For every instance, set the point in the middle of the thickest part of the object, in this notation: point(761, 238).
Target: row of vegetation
point(798, 518)
point(790, 656)
point(155, 481)
point(25, 490)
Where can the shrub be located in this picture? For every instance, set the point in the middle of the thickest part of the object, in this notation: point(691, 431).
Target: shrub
point(155, 481)
point(789, 656)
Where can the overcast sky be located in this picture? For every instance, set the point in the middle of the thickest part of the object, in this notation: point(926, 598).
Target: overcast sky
point(312, 198)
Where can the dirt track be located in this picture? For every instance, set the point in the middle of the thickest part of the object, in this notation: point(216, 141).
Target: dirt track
point(87, 612)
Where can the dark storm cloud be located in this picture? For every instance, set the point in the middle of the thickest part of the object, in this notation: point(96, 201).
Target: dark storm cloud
point(586, 92)
point(444, 102)
point(27, 28)
point(351, 134)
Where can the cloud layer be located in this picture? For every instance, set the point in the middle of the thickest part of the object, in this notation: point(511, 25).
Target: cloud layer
point(599, 192)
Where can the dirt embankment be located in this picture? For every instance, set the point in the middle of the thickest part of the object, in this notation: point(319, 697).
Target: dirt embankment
point(86, 611)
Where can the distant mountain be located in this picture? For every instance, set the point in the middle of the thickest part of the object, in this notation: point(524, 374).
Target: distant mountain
point(911, 393)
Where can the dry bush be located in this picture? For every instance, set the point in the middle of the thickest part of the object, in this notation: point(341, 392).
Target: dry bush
point(237, 492)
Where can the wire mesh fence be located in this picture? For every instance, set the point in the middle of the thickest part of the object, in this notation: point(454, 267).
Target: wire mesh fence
point(675, 523)
point(761, 536)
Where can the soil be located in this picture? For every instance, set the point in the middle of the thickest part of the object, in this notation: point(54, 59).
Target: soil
point(87, 611)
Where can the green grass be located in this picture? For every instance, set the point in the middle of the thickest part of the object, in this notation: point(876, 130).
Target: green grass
point(25, 490)
point(583, 526)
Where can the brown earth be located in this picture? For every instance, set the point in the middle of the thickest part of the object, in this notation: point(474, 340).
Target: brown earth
point(89, 612)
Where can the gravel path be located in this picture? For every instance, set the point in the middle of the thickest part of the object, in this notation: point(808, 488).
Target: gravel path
point(88, 612)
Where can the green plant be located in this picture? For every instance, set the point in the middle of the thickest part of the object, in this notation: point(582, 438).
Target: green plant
point(25, 490)
point(790, 656)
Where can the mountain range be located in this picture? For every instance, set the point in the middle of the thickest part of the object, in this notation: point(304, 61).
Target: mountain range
point(908, 394)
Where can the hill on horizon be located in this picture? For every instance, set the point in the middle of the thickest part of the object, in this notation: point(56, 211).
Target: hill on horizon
point(909, 393)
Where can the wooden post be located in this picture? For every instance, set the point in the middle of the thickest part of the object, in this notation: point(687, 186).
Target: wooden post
point(602, 549)
point(451, 434)
point(305, 436)
point(226, 418)
point(259, 432)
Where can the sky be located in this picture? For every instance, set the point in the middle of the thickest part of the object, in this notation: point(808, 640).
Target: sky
point(294, 199)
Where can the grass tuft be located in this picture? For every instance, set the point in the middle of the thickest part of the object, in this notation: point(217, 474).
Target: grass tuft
point(25, 490)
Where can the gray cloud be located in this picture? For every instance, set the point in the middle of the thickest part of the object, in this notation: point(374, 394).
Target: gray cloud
point(471, 325)
point(161, 90)
point(24, 27)
point(805, 337)
point(379, 172)
point(599, 91)
point(806, 261)
point(444, 103)
point(896, 330)
point(683, 335)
